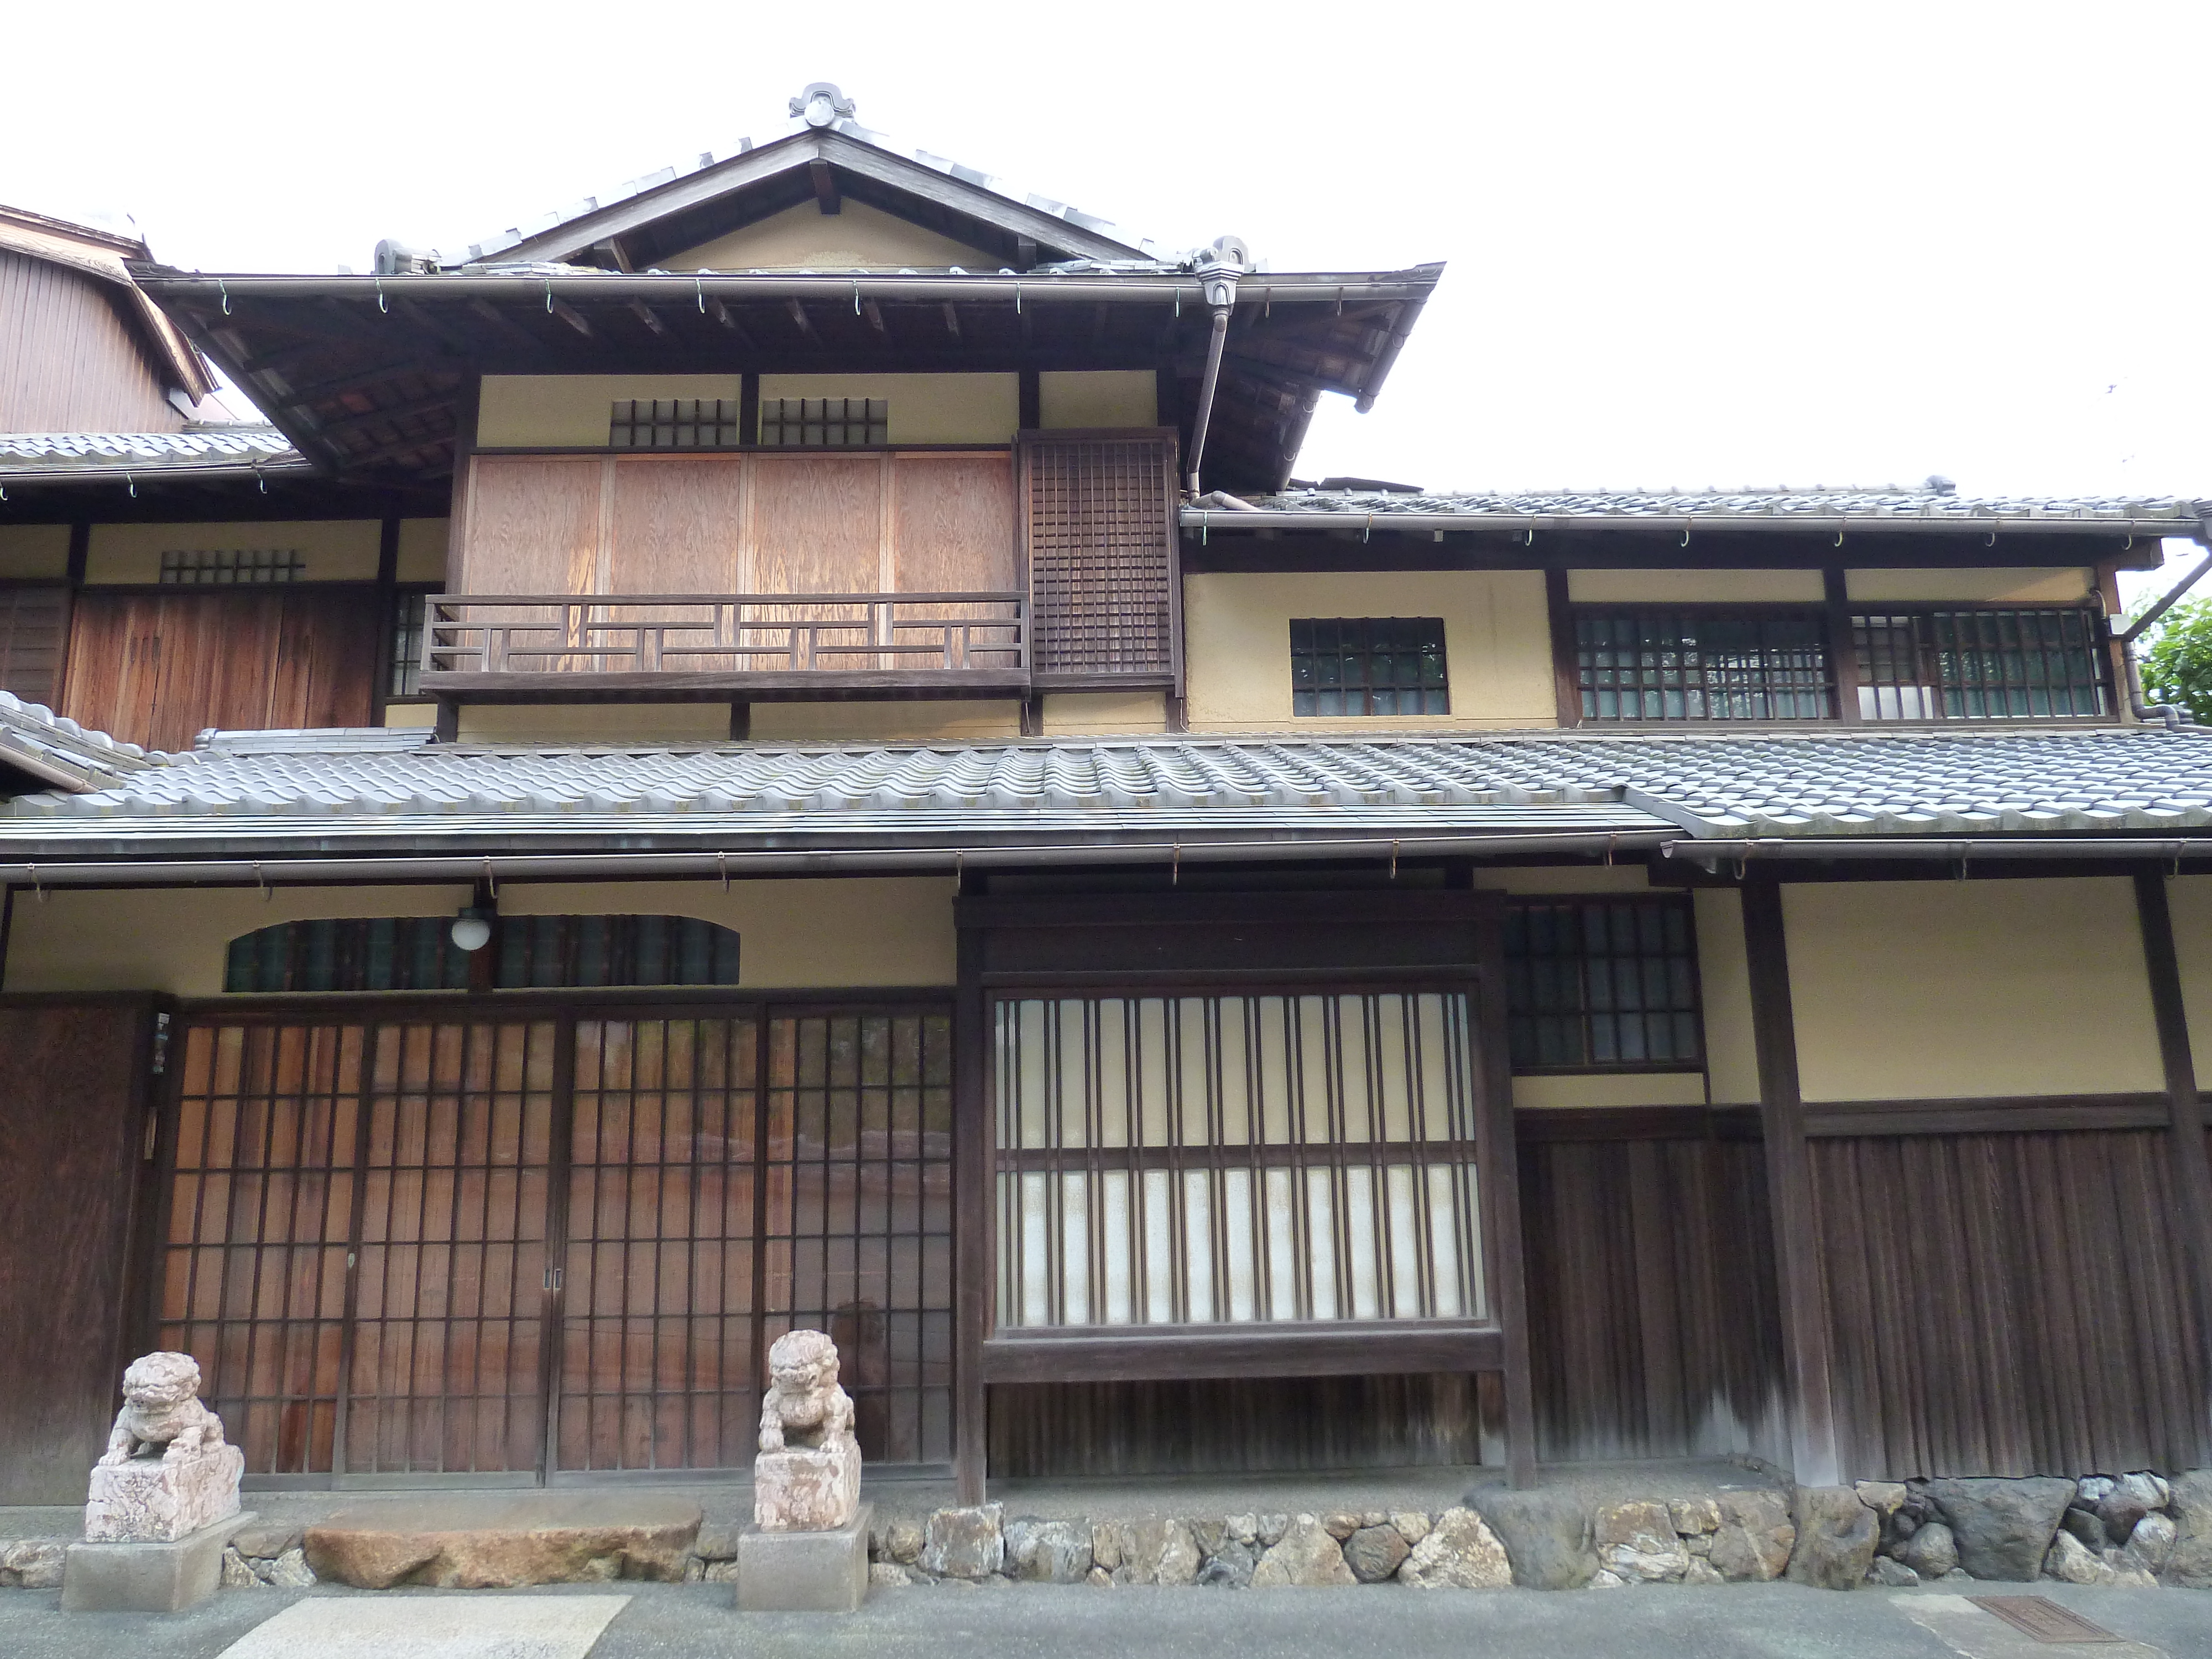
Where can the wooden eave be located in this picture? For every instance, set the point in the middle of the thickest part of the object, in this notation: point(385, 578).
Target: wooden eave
point(367, 376)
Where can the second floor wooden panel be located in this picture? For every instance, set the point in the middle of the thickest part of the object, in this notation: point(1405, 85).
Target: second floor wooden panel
point(74, 365)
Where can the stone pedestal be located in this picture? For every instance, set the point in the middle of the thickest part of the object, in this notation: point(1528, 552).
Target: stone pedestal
point(154, 1498)
point(152, 1578)
point(807, 1488)
point(804, 1571)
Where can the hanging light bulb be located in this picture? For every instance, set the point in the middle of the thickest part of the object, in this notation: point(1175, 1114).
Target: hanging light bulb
point(471, 929)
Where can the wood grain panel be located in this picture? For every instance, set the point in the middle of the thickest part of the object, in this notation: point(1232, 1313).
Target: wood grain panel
point(818, 523)
point(1654, 1324)
point(74, 364)
point(34, 625)
point(2009, 1304)
point(676, 524)
point(72, 1113)
point(157, 669)
point(955, 519)
point(531, 526)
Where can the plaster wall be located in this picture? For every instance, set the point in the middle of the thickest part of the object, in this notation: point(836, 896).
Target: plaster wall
point(33, 551)
point(925, 408)
point(1949, 990)
point(2063, 585)
point(589, 722)
point(331, 550)
point(1075, 399)
point(571, 412)
point(920, 721)
point(857, 237)
point(422, 550)
point(2189, 898)
point(1694, 586)
point(1498, 650)
point(1104, 713)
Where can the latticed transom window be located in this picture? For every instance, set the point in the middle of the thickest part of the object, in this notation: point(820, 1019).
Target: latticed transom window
point(1601, 983)
point(674, 423)
point(1982, 665)
point(417, 953)
point(1369, 666)
point(1702, 665)
point(825, 422)
point(227, 567)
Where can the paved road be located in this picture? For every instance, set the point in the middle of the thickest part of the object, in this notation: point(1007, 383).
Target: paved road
point(1747, 1621)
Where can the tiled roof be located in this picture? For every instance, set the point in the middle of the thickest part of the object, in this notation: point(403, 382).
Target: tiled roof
point(60, 752)
point(65, 454)
point(330, 789)
point(1911, 504)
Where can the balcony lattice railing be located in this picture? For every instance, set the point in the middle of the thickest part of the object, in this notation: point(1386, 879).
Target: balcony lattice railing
point(925, 633)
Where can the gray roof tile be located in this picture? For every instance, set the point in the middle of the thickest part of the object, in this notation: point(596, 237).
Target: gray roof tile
point(1904, 503)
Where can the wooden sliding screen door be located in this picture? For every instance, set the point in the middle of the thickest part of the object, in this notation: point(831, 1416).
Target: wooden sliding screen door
point(525, 1245)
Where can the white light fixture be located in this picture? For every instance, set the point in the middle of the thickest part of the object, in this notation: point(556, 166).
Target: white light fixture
point(471, 929)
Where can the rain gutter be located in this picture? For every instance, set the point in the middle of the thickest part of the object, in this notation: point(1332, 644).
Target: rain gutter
point(1946, 848)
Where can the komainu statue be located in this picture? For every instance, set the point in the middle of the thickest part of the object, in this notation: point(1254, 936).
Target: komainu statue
point(167, 1471)
point(807, 1477)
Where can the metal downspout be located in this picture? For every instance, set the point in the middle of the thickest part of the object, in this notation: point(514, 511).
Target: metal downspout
point(1221, 295)
point(2144, 709)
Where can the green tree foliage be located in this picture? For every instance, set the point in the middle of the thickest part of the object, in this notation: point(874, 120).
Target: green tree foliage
point(2178, 668)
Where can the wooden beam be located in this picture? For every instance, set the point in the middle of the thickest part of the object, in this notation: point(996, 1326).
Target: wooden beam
point(354, 421)
point(825, 185)
point(805, 323)
point(1815, 1459)
point(385, 451)
point(645, 314)
point(1030, 400)
point(1504, 1244)
point(1842, 652)
point(1566, 684)
point(507, 328)
point(974, 1140)
point(721, 314)
point(2192, 1165)
point(1128, 1355)
point(951, 319)
point(1026, 252)
point(874, 313)
point(612, 251)
point(569, 314)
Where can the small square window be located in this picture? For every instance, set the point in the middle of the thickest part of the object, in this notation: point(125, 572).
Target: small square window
point(1377, 665)
point(673, 424)
point(825, 422)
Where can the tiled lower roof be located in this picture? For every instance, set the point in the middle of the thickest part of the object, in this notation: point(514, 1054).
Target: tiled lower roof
point(325, 790)
point(1916, 505)
point(247, 449)
point(35, 740)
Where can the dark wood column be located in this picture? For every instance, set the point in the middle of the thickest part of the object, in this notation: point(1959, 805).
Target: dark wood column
point(973, 1142)
point(1814, 1449)
point(2192, 1160)
point(1498, 1157)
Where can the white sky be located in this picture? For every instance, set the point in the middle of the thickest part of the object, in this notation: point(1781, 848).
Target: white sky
point(1847, 243)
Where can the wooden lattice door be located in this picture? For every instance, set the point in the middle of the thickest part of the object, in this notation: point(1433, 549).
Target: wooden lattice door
point(1099, 513)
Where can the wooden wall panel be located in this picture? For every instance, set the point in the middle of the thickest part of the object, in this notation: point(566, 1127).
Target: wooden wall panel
point(73, 363)
point(34, 625)
point(1653, 1321)
point(954, 523)
point(2009, 1304)
point(531, 525)
point(1221, 1427)
point(72, 1116)
point(157, 669)
point(676, 525)
point(817, 524)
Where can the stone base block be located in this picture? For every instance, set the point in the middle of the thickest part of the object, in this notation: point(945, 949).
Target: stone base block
point(148, 1578)
point(160, 1499)
point(473, 1542)
point(804, 1571)
point(806, 1488)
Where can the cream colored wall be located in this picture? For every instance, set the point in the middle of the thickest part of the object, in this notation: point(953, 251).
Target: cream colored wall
point(1931, 989)
point(868, 931)
point(1498, 646)
point(926, 408)
point(2067, 586)
point(2190, 900)
point(176, 940)
point(803, 237)
point(422, 550)
point(332, 551)
point(571, 412)
point(33, 551)
point(410, 715)
point(1597, 1088)
point(924, 720)
point(1098, 397)
point(1724, 991)
point(593, 722)
point(1104, 713)
point(1694, 586)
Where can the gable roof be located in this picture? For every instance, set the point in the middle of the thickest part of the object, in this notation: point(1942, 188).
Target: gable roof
point(102, 255)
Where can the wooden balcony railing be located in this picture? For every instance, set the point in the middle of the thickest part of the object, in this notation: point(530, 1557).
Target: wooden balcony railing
point(734, 642)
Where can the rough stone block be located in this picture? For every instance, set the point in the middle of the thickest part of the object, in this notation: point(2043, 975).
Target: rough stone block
point(1229, 1567)
point(498, 1543)
point(806, 1488)
point(157, 1577)
point(2070, 1561)
point(1637, 1541)
point(785, 1572)
point(1048, 1552)
point(2003, 1528)
point(33, 1563)
point(889, 1575)
point(718, 1539)
point(1836, 1537)
point(1339, 1525)
point(1546, 1536)
point(968, 1543)
point(2189, 1562)
point(1694, 1517)
point(1412, 1525)
point(1755, 1538)
point(265, 1541)
point(1931, 1552)
point(1460, 1552)
point(156, 1498)
point(2149, 1546)
point(1884, 1497)
point(1701, 1572)
point(1374, 1554)
point(1307, 1554)
point(1892, 1574)
point(1154, 1552)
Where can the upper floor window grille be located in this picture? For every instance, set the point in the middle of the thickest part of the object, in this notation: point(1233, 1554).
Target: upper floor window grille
point(1601, 983)
point(1982, 665)
point(825, 422)
point(1702, 665)
point(417, 953)
point(1369, 666)
point(402, 673)
point(231, 565)
point(674, 423)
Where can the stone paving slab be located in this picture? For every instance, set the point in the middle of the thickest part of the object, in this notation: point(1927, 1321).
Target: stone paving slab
point(432, 1627)
point(496, 1542)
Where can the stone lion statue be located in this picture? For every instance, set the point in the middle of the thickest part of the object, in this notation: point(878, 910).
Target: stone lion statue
point(161, 1411)
point(804, 1405)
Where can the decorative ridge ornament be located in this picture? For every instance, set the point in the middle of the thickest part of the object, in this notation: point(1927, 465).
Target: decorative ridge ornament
point(822, 104)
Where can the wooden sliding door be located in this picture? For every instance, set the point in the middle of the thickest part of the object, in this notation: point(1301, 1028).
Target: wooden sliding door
point(418, 1245)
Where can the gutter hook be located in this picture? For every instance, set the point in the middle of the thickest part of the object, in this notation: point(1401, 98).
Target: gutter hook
point(699, 282)
point(262, 881)
point(380, 306)
point(37, 891)
point(491, 881)
point(225, 292)
point(722, 863)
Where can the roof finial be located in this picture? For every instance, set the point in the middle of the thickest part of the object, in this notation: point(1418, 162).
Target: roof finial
point(822, 103)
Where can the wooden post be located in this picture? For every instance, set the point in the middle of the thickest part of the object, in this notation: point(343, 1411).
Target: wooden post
point(1499, 1160)
point(1814, 1454)
point(2191, 1158)
point(1843, 650)
point(973, 1143)
point(1566, 682)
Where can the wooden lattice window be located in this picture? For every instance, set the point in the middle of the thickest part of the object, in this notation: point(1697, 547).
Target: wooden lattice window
point(33, 625)
point(825, 422)
point(1982, 665)
point(1602, 984)
point(1651, 664)
point(227, 567)
point(1369, 666)
point(403, 674)
point(1099, 517)
point(417, 953)
point(1174, 1160)
point(674, 423)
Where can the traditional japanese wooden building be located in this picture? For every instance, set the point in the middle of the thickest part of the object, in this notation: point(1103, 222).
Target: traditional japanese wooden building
point(782, 748)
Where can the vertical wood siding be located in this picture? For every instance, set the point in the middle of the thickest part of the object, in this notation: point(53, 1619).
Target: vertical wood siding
point(157, 669)
point(2009, 1304)
point(1653, 1318)
point(68, 361)
point(33, 625)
